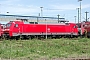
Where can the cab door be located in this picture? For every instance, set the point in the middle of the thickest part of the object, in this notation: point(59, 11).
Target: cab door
point(16, 30)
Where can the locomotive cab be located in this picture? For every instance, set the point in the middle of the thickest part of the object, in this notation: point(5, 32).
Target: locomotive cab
point(11, 28)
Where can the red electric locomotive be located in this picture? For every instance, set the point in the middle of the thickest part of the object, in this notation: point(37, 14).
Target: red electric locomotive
point(19, 28)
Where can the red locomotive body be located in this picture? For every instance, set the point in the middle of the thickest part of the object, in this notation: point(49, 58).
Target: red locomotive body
point(19, 28)
point(1, 29)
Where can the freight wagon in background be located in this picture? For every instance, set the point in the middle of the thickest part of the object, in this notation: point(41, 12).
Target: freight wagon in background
point(84, 28)
point(19, 28)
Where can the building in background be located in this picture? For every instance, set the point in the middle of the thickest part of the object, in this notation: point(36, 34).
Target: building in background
point(7, 18)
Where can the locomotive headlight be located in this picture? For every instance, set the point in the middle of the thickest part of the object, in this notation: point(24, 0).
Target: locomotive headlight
point(7, 29)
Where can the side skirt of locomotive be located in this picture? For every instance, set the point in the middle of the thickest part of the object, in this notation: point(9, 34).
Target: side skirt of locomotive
point(43, 35)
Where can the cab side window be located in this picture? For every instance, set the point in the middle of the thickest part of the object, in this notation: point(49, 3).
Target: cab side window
point(75, 26)
point(16, 25)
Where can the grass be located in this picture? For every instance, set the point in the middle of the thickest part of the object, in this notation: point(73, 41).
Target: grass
point(44, 49)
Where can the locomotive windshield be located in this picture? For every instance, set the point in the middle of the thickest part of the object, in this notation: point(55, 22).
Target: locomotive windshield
point(8, 25)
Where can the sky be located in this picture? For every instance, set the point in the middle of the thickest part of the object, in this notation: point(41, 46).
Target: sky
point(51, 8)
